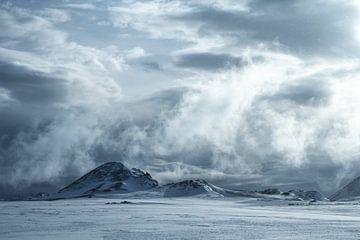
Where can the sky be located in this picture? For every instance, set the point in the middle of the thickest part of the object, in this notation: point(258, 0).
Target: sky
point(245, 94)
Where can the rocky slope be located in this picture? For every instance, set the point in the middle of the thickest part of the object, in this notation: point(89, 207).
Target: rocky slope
point(109, 177)
point(189, 188)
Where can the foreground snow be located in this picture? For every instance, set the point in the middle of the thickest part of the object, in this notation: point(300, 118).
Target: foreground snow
point(178, 218)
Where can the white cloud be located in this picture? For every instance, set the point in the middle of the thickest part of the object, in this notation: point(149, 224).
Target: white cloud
point(23, 26)
point(136, 52)
point(153, 18)
point(82, 6)
point(55, 15)
point(5, 97)
point(229, 122)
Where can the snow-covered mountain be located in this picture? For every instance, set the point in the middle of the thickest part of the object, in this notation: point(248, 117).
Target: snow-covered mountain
point(115, 178)
point(307, 195)
point(189, 188)
point(351, 190)
point(202, 187)
point(109, 177)
point(300, 195)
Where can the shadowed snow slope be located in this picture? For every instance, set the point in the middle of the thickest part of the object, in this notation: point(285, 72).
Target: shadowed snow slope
point(189, 188)
point(349, 191)
point(110, 177)
point(202, 187)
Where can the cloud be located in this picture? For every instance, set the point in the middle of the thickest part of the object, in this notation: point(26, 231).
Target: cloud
point(28, 30)
point(5, 96)
point(29, 86)
point(264, 120)
point(153, 19)
point(297, 25)
point(55, 15)
point(151, 65)
point(309, 92)
point(136, 52)
point(81, 6)
point(50, 92)
point(208, 61)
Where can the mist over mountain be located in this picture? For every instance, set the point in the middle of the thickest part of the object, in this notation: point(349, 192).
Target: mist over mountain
point(252, 93)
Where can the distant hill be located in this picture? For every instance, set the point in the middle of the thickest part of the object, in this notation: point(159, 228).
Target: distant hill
point(349, 191)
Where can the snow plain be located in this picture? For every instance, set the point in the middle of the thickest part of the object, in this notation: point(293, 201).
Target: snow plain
point(177, 218)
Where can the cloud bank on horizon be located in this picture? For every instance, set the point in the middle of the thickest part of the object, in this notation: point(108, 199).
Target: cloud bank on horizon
point(262, 92)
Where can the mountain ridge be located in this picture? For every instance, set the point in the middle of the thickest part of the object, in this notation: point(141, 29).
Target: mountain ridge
point(116, 178)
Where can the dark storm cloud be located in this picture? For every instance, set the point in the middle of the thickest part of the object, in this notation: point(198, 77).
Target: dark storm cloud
point(28, 86)
point(33, 95)
point(25, 119)
point(310, 27)
point(208, 61)
point(307, 92)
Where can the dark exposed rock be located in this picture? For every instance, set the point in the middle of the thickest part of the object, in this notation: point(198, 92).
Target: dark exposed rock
point(271, 191)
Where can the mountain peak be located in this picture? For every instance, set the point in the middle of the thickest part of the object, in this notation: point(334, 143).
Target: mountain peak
point(108, 177)
point(189, 188)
